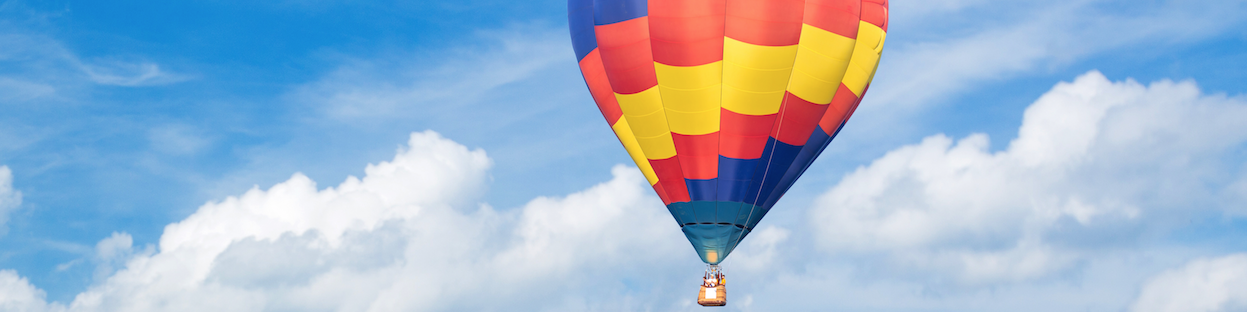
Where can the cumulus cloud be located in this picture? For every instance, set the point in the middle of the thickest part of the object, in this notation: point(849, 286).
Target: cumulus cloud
point(10, 199)
point(18, 295)
point(1096, 166)
point(112, 253)
point(1203, 285)
point(409, 235)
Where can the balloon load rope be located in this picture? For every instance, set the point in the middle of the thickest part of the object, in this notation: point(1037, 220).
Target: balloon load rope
point(714, 276)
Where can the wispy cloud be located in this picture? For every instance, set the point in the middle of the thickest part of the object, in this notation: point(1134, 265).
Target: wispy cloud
point(177, 139)
point(10, 199)
point(37, 66)
point(438, 84)
point(14, 90)
point(993, 40)
point(514, 90)
point(129, 74)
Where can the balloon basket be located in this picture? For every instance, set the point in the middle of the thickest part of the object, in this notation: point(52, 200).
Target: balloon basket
point(713, 288)
point(712, 296)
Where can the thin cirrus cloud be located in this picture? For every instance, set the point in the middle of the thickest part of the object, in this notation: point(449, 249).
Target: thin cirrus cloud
point(41, 67)
point(452, 80)
point(10, 199)
point(15, 90)
point(992, 40)
point(520, 80)
point(941, 51)
point(128, 74)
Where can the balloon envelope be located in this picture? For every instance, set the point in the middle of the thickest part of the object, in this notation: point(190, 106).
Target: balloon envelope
point(723, 104)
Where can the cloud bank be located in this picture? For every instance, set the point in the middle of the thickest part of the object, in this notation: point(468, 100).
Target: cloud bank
point(407, 236)
point(1096, 166)
point(1070, 215)
point(1203, 285)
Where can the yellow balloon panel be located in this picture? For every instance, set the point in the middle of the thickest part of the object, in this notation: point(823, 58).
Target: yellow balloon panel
point(691, 96)
point(865, 57)
point(758, 56)
point(657, 147)
point(634, 150)
point(822, 59)
point(694, 123)
point(755, 76)
point(750, 102)
point(648, 121)
point(689, 77)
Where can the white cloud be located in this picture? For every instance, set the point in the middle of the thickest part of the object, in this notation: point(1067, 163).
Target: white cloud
point(18, 295)
point(111, 254)
point(1203, 285)
point(1096, 165)
point(407, 236)
point(10, 199)
point(761, 250)
point(921, 228)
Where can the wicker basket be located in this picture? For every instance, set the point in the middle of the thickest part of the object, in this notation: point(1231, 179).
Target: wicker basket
point(712, 296)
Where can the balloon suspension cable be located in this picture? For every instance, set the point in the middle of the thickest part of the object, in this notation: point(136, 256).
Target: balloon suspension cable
point(714, 276)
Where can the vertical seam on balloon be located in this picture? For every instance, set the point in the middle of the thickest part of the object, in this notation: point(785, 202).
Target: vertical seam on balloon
point(783, 104)
point(649, 36)
point(842, 119)
point(719, 149)
point(660, 183)
point(592, 6)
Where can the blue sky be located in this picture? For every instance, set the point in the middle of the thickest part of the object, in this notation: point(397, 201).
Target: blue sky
point(127, 125)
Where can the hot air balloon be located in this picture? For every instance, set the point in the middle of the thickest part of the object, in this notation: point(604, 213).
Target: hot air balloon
point(723, 104)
